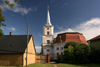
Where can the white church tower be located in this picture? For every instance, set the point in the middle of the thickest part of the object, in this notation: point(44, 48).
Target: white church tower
point(47, 36)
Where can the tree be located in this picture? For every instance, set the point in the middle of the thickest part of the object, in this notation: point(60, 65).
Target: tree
point(1, 33)
point(41, 50)
point(2, 18)
point(76, 52)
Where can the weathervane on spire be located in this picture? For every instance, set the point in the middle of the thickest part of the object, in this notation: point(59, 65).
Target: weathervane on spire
point(47, 6)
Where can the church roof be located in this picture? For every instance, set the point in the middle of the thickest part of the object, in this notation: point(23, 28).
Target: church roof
point(95, 38)
point(70, 36)
point(48, 18)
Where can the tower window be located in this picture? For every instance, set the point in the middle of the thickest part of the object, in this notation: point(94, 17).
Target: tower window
point(48, 41)
point(47, 33)
point(47, 28)
point(48, 50)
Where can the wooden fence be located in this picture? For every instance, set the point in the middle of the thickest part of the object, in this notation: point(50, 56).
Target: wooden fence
point(42, 58)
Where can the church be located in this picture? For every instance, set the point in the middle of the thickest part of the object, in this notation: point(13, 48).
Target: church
point(55, 46)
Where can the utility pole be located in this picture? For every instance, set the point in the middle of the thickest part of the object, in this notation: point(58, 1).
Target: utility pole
point(27, 44)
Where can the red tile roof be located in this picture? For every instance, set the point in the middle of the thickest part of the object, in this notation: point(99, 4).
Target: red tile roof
point(66, 37)
point(97, 37)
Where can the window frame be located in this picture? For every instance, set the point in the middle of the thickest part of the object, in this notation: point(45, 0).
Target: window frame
point(48, 28)
point(57, 48)
point(47, 32)
point(48, 41)
point(48, 50)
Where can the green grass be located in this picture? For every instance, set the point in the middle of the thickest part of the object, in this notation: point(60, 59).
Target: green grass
point(58, 65)
point(77, 65)
point(40, 65)
point(34, 65)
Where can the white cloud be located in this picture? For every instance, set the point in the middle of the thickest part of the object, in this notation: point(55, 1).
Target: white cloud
point(63, 5)
point(17, 8)
point(90, 28)
point(59, 27)
point(11, 28)
point(38, 47)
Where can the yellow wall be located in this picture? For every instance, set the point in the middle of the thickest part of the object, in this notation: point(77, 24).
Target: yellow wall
point(31, 53)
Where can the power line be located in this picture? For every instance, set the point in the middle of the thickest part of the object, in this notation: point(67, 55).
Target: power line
point(24, 13)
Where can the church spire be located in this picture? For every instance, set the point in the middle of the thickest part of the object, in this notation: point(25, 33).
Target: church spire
point(48, 18)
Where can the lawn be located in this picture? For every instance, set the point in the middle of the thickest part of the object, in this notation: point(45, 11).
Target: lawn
point(58, 65)
point(34, 65)
point(77, 65)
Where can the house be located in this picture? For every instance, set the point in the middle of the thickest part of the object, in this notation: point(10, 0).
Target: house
point(55, 46)
point(95, 42)
point(13, 50)
point(62, 38)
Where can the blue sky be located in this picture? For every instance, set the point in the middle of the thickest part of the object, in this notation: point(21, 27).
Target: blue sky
point(79, 15)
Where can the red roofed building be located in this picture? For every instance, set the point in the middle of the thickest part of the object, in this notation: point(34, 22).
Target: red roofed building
point(62, 38)
point(70, 36)
point(95, 42)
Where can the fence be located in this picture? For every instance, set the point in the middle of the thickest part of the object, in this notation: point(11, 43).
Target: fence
point(42, 58)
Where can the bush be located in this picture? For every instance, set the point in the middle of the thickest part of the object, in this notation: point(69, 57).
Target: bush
point(76, 52)
point(60, 59)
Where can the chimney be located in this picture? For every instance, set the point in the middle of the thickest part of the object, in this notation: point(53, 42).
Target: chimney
point(10, 33)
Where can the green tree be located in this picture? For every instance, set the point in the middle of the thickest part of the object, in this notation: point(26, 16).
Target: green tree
point(76, 52)
point(1, 33)
point(72, 43)
point(2, 18)
point(41, 50)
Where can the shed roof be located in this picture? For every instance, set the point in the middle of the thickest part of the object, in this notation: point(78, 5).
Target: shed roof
point(95, 38)
point(13, 43)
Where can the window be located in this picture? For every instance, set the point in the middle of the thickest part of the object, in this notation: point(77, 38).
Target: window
point(47, 28)
point(48, 41)
point(47, 33)
point(62, 48)
point(48, 50)
point(57, 48)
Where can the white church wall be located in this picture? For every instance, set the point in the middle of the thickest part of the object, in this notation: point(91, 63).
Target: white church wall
point(45, 38)
point(58, 45)
point(45, 30)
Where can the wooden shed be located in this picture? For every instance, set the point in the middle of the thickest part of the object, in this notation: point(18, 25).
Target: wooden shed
point(13, 50)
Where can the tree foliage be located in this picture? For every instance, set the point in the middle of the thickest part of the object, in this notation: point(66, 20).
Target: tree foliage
point(41, 50)
point(1, 33)
point(76, 52)
point(2, 18)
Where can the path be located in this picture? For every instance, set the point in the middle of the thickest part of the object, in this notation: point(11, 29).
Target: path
point(55, 65)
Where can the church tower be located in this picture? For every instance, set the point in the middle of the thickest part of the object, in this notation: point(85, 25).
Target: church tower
point(48, 35)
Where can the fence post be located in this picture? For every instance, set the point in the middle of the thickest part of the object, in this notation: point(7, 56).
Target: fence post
point(48, 58)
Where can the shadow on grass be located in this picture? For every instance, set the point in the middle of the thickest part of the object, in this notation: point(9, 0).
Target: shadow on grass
point(77, 65)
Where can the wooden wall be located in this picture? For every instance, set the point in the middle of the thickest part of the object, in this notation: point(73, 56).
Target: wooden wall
point(42, 58)
point(11, 59)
